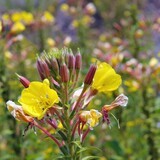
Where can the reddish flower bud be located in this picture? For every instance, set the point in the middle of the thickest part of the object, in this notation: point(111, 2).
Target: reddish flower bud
point(78, 62)
point(24, 81)
point(71, 61)
point(54, 65)
point(43, 69)
point(64, 73)
point(40, 69)
point(89, 77)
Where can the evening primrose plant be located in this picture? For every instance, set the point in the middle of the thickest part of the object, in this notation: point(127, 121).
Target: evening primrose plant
point(58, 102)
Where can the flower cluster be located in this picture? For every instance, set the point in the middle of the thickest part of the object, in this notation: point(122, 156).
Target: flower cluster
point(17, 22)
point(58, 101)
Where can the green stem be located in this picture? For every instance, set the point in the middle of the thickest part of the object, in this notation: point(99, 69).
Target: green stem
point(150, 139)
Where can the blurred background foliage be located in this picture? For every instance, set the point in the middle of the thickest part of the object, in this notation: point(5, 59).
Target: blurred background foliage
point(123, 33)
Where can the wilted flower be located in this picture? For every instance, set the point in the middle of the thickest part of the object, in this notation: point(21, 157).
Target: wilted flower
point(38, 98)
point(91, 117)
point(121, 100)
point(17, 112)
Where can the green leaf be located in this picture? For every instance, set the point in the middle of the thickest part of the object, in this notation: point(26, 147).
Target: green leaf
point(90, 157)
point(88, 148)
point(78, 143)
point(117, 120)
point(62, 135)
point(64, 150)
point(116, 146)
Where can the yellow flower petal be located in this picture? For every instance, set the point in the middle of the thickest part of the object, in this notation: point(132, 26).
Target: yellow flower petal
point(17, 27)
point(106, 79)
point(37, 98)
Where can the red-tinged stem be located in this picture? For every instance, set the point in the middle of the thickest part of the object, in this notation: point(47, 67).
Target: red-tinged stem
point(47, 133)
point(60, 118)
point(85, 134)
point(79, 99)
point(49, 122)
point(74, 129)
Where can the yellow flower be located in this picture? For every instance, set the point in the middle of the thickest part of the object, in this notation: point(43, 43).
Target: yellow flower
point(90, 117)
point(64, 7)
point(38, 98)
point(47, 17)
point(0, 26)
point(16, 17)
point(23, 16)
point(105, 78)
point(51, 42)
point(17, 27)
point(86, 20)
point(132, 85)
point(75, 23)
point(27, 17)
point(153, 62)
point(5, 17)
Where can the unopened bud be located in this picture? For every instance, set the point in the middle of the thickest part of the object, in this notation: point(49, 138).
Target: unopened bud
point(71, 61)
point(24, 81)
point(43, 69)
point(54, 65)
point(40, 69)
point(78, 62)
point(89, 77)
point(64, 73)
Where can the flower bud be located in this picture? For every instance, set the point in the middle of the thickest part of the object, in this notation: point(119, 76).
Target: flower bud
point(64, 73)
point(24, 81)
point(89, 77)
point(71, 61)
point(78, 61)
point(54, 65)
point(43, 69)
